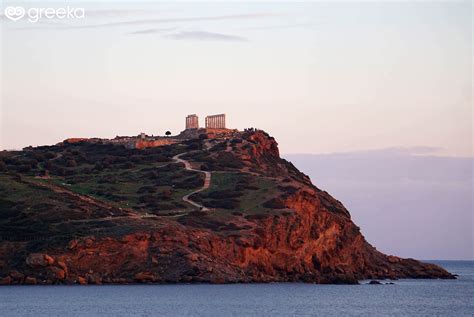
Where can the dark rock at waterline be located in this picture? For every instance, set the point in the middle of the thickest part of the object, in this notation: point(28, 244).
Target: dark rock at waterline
point(374, 283)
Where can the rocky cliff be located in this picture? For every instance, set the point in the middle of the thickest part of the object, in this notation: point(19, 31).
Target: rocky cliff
point(267, 222)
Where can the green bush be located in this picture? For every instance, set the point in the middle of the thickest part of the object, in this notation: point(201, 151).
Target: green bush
point(223, 203)
point(222, 194)
point(274, 203)
point(71, 163)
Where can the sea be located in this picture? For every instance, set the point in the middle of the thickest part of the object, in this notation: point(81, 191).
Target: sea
point(408, 297)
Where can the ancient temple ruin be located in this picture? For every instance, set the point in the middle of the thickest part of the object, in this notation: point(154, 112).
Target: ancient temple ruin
point(215, 121)
point(192, 122)
point(212, 122)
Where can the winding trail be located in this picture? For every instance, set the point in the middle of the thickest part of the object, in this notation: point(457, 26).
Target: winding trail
point(207, 181)
point(130, 213)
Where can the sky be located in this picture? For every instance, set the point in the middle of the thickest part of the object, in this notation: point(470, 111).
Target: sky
point(321, 77)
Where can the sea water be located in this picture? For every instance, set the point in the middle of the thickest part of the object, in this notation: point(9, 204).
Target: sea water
point(405, 298)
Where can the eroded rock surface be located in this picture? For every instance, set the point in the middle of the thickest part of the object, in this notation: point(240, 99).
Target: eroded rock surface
point(307, 236)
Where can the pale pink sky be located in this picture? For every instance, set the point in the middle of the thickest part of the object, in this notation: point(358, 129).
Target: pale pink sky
point(321, 77)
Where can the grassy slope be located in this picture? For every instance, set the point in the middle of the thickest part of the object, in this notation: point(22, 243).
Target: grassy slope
point(146, 181)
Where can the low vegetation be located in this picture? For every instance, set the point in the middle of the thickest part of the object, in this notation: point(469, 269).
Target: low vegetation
point(55, 193)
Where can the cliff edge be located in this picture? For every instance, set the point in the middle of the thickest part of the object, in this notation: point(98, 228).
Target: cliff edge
point(213, 210)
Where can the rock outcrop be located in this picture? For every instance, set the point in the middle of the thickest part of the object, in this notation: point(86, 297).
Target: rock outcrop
point(312, 239)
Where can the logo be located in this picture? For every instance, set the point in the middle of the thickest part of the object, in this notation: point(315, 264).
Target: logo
point(14, 13)
point(35, 14)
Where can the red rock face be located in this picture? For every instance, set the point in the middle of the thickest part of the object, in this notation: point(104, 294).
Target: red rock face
point(75, 140)
point(142, 144)
point(309, 246)
point(316, 242)
point(264, 144)
point(315, 247)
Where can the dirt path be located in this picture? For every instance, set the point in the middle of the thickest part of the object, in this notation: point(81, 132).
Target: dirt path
point(207, 181)
point(130, 213)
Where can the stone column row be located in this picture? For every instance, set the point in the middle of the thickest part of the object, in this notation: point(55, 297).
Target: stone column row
point(192, 122)
point(215, 122)
point(220, 121)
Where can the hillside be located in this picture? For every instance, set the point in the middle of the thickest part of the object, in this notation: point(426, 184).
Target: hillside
point(220, 210)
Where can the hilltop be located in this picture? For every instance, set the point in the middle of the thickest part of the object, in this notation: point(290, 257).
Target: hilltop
point(219, 208)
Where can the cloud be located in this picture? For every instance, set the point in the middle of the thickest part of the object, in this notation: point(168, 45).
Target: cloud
point(115, 12)
point(208, 36)
point(385, 165)
point(389, 151)
point(86, 25)
point(287, 26)
point(174, 20)
point(153, 31)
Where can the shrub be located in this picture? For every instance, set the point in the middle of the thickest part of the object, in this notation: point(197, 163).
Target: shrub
point(147, 199)
point(256, 217)
point(241, 187)
point(69, 172)
point(32, 162)
point(164, 206)
point(198, 197)
point(37, 156)
point(71, 163)
point(288, 189)
point(48, 165)
point(165, 194)
point(160, 158)
point(128, 165)
point(49, 155)
point(219, 147)
point(227, 160)
point(24, 168)
point(224, 194)
point(86, 170)
point(147, 189)
point(189, 183)
point(194, 146)
point(274, 203)
point(173, 167)
point(224, 203)
point(179, 205)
